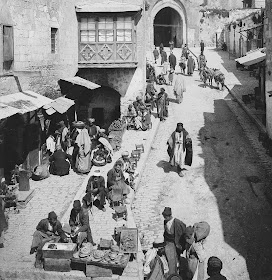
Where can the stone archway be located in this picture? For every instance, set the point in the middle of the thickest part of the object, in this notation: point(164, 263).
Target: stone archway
point(178, 7)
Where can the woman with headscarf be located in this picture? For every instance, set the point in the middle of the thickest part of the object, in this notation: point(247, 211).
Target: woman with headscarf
point(179, 87)
point(59, 162)
point(83, 161)
point(195, 252)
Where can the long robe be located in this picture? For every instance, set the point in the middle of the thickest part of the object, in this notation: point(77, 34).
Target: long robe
point(175, 243)
point(176, 148)
point(162, 106)
point(83, 162)
point(190, 65)
point(172, 61)
point(179, 88)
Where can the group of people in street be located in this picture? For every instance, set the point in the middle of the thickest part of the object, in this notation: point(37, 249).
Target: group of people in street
point(74, 147)
point(181, 252)
point(119, 179)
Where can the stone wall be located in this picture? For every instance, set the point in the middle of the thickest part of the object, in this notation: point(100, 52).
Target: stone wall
point(127, 82)
point(268, 43)
point(37, 68)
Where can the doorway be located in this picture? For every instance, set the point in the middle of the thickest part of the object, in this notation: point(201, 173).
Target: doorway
point(168, 26)
point(98, 115)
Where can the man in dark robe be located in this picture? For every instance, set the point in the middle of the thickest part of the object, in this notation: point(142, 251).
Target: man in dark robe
point(214, 269)
point(202, 46)
point(162, 104)
point(190, 65)
point(163, 57)
point(177, 147)
point(49, 229)
point(80, 225)
point(96, 188)
point(185, 51)
point(156, 54)
point(59, 162)
point(172, 60)
point(174, 238)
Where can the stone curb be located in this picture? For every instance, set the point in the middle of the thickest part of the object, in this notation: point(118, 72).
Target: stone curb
point(265, 160)
point(260, 126)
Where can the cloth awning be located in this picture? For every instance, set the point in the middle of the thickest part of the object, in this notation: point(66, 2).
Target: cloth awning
point(109, 7)
point(252, 58)
point(60, 105)
point(80, 82)
point(26, 101)
point(7, 111)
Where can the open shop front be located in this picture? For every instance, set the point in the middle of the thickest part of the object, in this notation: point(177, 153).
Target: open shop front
point(21, 132)
point(108, 258)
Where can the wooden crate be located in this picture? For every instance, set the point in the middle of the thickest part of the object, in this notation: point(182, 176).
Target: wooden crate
point(63, 251)
point(96, 271)
point(61, 265)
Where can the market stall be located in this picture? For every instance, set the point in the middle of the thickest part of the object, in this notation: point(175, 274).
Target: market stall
point(110, 256)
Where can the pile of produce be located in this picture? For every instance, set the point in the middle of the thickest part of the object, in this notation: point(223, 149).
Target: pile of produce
point(116, 131)
point(111, 256)
point(117, 125)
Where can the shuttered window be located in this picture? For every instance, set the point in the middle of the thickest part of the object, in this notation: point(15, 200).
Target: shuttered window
point(8, 53)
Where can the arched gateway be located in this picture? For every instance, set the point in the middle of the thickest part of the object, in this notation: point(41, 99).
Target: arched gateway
point(169, 21)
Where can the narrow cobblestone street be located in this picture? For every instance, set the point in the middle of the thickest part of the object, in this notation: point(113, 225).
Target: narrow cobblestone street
point(215, 188)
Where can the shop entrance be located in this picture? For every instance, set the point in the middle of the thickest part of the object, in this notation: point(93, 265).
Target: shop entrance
point(168, 25)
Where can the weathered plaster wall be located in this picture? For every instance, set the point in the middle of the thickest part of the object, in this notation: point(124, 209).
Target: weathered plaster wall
point(38, 69)
point(268, 38)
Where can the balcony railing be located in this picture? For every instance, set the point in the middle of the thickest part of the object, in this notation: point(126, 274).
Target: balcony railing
point(109, 54)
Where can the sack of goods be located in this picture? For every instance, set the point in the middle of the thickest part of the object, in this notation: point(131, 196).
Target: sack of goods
point(202, 230)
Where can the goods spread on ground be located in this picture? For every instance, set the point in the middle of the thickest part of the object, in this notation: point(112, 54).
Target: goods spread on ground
point(116, 131)
point(112, 256)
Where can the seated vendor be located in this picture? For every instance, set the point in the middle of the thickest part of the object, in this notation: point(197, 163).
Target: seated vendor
point(79, 223)
point(103, 152)
point(152, 256)
point(115, 177)
point(96, 188)
point(47, 230)
point(129, 172)
point(59, 162)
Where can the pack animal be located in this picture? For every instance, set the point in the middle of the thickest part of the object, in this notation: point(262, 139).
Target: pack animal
point(206, 74)
point(219, 78)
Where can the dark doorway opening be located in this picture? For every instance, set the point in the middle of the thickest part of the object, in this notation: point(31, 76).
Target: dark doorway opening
point(168, 26)
point(98, 115)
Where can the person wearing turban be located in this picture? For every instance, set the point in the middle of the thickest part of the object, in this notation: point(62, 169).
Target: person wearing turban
point(80, 225)
point(214, 269)
point(49, 229)
point(177, 148)
point(129, 173)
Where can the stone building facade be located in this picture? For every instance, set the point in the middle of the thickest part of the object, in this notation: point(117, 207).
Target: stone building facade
point(43, 43)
